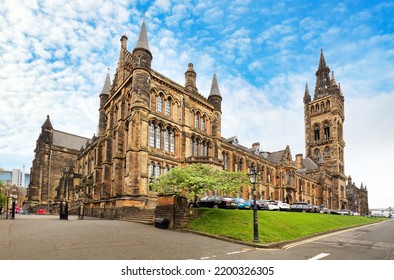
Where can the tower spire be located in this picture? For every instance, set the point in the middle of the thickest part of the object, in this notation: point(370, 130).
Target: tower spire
point(322, 77)
point(307, 96)
point(143, 42)
point(215, 86)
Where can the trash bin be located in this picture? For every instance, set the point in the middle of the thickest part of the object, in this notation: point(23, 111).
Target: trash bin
point(162, 223)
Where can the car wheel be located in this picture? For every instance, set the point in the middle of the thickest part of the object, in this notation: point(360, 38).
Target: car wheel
point(215, 206)
point(303, 211)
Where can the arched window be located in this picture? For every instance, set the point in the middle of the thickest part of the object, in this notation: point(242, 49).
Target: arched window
point(158, 137)
point(157, 170)
point(159, 103)
point(317, 153)
point(203, 123)
point(168, 107)
point(167, 140)
point(225, 161)
point(240, 165)
point(166, 169)
point(317, 132)
point(151, 135)
point(172, 141)
point(196, 148)
point(328, 104)
point(197, 120)
point(151, 169)
point(192, 145)
point(327, 131)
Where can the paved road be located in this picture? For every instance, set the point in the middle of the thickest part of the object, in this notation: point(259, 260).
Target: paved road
point(48, 238)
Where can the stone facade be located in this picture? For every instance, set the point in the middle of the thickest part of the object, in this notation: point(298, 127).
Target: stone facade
point(149, 124)
point(55, 150)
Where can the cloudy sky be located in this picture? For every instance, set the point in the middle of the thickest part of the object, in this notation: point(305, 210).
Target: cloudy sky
point(54, 57)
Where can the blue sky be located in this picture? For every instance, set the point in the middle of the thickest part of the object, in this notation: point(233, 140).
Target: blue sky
point(55, 55)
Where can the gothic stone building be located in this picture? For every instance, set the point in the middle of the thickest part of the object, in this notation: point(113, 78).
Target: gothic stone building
point(149, 124)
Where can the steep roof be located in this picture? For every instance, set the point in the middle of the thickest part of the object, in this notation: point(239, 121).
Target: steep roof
point(69, 141)
point(214, 87)
point(107, 85)
point(143, 42)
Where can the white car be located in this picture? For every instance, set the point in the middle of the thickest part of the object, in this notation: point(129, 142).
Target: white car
point(283, 206)
point(273, 205)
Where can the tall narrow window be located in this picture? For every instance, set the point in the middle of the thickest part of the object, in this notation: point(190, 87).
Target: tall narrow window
point(152, 135)
point(157, 170)
point(158, 137)
point(327, 152)
point(196, 146)
point(203, 123)
point(317, 133)
point(168, 107)
point(159, 104)
point(192, 146)
point(167, 140)
point(203, 149)
point(151, 169)
point(196, 121)
point(225, 161)
point(326, 131)
point(172, 141)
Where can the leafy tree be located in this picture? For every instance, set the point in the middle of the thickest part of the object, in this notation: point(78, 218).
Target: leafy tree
point(3, 197)
point(196, 179)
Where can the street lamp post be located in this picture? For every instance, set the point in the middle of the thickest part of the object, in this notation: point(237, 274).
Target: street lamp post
point(253, 180)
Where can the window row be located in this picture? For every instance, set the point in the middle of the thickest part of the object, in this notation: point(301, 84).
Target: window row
point(157, 169)
point(326, 132)
point(320, 107)
point(163, 105)
point(199, 147)
point(160, 138)
point(327, 153)
point(200, 121)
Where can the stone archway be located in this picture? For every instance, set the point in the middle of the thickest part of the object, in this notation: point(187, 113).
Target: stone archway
point(289, 199)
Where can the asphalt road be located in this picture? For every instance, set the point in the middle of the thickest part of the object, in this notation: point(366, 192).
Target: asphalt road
point(48, 238)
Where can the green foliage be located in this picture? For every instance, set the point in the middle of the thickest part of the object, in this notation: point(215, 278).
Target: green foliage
point(273, 226)
point(196, 179)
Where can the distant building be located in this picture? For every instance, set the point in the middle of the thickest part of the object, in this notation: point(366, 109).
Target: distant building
point(382, 212)
point(15, 177)
point(357, 198)
point(53, 150)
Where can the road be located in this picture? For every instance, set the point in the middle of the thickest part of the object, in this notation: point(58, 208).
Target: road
point(48, 238)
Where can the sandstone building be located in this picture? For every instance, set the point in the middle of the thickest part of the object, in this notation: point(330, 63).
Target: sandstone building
point(149, 124)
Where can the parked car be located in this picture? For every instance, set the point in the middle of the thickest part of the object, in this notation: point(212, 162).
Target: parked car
point(301, 207)
point(333, 212)
point(324, 210)
point(261, 204)
point(283, 206)
point(273, 205)
point(242, 203)
point(345, 212)
point(215, 201)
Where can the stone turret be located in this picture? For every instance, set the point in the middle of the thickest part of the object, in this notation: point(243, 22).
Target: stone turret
point(190, 78)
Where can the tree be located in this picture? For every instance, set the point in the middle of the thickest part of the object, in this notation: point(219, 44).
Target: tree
point(196, 179)
point(3, 197)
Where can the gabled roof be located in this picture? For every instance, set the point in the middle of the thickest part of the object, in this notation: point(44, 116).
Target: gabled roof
point(310, 164)
point(69, 141)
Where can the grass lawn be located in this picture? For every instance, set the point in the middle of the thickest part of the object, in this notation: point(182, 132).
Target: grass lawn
point(273, 226)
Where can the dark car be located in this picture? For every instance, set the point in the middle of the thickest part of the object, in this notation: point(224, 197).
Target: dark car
point(215, 201)
point(260, 204)
point(301, 207)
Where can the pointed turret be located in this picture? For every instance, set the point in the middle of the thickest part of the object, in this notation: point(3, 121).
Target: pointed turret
point(47, 124)
point(322, 78)
point(307, 96)
point(333, 82)
point(143, 42)
point(214, 96)
point(142, 55)
point(104, 95)
point(141, 62)
point(47, 131)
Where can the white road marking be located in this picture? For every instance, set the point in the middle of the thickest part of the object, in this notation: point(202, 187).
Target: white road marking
point(320, 256)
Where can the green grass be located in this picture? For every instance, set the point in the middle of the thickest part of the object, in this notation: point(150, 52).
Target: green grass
point(273, 226)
